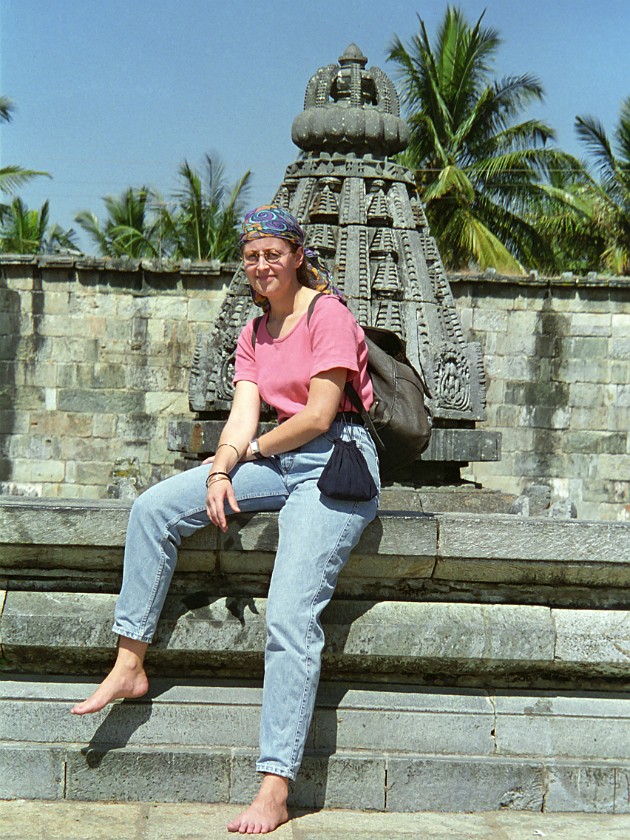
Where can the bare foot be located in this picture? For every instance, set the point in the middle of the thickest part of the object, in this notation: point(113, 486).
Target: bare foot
point(115, 686)
point(267, 811)
point(126, 680)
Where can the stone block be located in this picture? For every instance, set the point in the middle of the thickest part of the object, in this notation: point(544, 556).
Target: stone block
point(600, 442)
point(30, 772)
point(28, 470)
point(466, 784)
point(166, 402)
point(450, 632)
point(591, 324)
point(622, 790)
point(584, 787)
point(207, 715)
point(416, 720)
point(25, 398)
point(37, 447)
point(176, 775)
point(101, 401)
point(202, 311)
point(47, 423)
point(508, 538)
point(563, 725)
point(489, 321)
point(595, 640)
point(585, 347)
point(340, 781)
point(66, 522)
point(615, 467)
point(620, 349)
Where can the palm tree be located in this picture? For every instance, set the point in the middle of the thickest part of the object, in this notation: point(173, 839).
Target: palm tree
point(202, 225)
point(24, 231)
point(609, 197)
point(477, 169)
point(130, 229)
point(12, 177)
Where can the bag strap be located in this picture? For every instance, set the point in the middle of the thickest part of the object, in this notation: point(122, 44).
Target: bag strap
point(349, 390)
point(309, 315)
point(355, 399)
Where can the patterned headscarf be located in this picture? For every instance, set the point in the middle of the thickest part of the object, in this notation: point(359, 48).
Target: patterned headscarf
point(269, 221)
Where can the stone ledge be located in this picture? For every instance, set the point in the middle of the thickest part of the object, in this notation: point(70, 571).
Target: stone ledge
point(343, 780)
point(65, 632)
point(43, 536)
point(387, 719)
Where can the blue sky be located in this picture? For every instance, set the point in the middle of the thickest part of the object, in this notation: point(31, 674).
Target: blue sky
point(118, 93)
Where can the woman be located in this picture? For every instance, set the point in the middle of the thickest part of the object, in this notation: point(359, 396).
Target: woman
point(297, 362)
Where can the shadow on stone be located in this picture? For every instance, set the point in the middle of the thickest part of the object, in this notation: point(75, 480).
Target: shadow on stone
point(122, 721)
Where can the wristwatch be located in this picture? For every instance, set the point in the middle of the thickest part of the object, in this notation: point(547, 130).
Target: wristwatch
point(256, 449)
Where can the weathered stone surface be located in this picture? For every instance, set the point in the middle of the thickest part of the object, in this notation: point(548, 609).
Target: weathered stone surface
point(66, 522)
point(594, 638)
point(585, 725)
point(409, 720)
point(30, 773)
point(533, 550)
point(176, 775)
point(60, 630)
point(44, 534)
point(490, 784)
point(582, 787)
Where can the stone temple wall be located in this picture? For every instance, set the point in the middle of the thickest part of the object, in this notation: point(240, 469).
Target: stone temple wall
point(557, 358)
point(95, 356)
point(94, 362)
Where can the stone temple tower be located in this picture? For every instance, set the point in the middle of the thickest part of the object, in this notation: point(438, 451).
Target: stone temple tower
point(361, 211)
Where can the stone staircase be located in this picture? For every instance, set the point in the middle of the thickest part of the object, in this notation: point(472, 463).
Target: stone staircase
point(474, 662)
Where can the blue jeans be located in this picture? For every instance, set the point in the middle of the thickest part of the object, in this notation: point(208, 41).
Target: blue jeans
point(316, 536)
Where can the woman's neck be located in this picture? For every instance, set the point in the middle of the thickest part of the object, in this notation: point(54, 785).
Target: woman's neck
point(295, 304)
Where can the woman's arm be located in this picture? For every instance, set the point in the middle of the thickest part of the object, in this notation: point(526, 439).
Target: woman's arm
point(238, 431)
point(324, 398)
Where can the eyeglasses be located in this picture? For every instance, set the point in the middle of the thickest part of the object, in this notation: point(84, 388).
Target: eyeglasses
point(271, 256)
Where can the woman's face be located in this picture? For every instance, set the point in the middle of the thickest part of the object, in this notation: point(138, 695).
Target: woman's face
point(271, 266)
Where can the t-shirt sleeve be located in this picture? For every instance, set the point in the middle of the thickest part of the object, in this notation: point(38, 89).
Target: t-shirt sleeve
point(334, 337)
point(245, 362)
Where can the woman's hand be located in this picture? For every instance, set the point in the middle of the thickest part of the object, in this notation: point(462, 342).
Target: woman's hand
point(219, 492)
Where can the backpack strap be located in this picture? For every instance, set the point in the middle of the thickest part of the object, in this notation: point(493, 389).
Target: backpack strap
point(309, 315)
point(257, 322)
point(355, 399)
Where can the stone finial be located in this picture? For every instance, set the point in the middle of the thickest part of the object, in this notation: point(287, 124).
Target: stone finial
point(348, 108)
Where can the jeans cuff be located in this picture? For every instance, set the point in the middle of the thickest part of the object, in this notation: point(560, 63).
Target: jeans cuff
point(276, 770)
point(120, 631)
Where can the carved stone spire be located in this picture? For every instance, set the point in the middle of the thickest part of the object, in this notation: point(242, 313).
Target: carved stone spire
point(350, 109)
point(361, 210)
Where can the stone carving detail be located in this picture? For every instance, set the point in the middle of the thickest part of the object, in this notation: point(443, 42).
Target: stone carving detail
point(360, 209)
point(452, 376)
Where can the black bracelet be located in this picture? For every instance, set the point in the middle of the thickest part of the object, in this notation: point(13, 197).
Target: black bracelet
point(227, 475)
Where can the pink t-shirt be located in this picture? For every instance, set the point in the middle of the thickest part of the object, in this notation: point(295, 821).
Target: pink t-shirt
point(282, 367)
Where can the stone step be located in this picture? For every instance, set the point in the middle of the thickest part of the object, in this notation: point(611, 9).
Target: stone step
point(77, 546)
point(469, 644)
point(392, 749)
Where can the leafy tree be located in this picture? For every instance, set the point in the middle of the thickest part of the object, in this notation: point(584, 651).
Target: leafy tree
point(478, 170)
point(199, 223)
point(609, 196)
point(24, 231)
point(13, 177)
point(202, 225)
point(130, 229)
